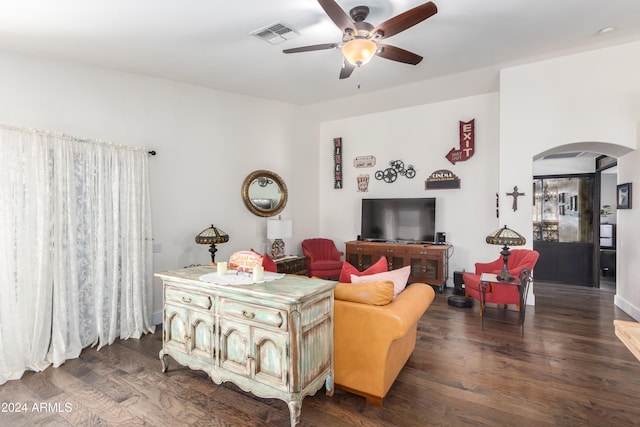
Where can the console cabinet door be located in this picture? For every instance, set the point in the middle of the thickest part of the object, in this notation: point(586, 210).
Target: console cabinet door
point(235, 347)
point(175, 328)
point(270, 358)
point(394, 255)
point(202, 335)
point(426, 265)
point(433, 269)
point(362, 256)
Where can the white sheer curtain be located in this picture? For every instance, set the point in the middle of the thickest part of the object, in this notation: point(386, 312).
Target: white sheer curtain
point(75, 247)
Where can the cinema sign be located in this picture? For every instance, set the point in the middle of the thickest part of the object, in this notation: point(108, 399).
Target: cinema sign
point(442, 180)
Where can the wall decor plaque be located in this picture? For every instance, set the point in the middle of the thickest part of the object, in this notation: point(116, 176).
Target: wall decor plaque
point(442, 180)
point(364, 162)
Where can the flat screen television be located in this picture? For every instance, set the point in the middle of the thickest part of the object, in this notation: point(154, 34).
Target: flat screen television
point(409, 220)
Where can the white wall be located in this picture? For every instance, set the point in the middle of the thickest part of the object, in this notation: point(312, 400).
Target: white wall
point(207, 143)
point(583, 98)
point(420, 136)
point(628, 239)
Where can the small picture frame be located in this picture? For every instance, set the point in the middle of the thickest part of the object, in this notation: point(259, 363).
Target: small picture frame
point(624, 196)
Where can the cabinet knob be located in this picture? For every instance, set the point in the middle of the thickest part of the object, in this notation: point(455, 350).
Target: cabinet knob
point(248, 315)
point(186, 300)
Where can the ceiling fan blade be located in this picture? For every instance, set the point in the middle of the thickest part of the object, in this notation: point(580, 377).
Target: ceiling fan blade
point(405, 20)
point(312, 48)
point(396, 54)
point(347, 69)
point(338, 16)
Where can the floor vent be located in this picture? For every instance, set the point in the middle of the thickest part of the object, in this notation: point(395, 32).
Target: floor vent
point(275, 33)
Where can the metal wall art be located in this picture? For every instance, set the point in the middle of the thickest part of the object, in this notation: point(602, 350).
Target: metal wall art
point(467, 143)
point(396, 168)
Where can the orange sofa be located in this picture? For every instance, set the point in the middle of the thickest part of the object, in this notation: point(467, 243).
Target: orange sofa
point(374, 338)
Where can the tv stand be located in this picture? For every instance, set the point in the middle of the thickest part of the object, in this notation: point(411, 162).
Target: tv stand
point(429, 263)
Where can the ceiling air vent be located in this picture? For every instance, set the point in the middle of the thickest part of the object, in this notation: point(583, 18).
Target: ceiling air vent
point(275, 33)
point(562, 156)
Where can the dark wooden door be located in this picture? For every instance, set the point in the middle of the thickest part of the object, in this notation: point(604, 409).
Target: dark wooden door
point(570, 263)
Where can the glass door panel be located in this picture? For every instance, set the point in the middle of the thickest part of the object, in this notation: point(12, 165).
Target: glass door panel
point(563, 209)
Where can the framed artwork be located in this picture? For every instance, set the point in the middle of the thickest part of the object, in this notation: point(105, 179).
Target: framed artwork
point(624, 196)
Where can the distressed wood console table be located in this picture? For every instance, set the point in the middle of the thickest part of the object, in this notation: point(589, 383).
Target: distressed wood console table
point(273, 339)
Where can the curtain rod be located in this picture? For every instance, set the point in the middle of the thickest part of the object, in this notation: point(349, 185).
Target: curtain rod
point(74, 138)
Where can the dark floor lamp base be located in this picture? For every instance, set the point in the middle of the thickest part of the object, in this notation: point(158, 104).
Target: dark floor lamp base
point(460, 301)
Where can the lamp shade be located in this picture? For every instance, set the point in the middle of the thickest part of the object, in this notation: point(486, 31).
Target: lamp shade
point(279, 229)
point(359, 51)
point(212, 235)
point(506, 237)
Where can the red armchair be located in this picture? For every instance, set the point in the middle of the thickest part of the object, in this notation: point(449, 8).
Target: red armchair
point(500, 294)
point(324, 260)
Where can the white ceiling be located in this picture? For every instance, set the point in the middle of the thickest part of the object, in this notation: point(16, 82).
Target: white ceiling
point(208, 42)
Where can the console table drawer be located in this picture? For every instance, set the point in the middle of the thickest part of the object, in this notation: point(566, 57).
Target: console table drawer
point(187, 298)
point(262, 315)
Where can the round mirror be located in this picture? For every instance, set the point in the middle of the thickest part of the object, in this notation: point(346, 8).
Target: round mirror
point(264, 193)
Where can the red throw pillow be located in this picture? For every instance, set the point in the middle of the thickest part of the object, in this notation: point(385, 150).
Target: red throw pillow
point(267, 262)
point(347, 270)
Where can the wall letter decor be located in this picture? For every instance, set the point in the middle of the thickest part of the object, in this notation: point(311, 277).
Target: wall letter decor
point(337, 161)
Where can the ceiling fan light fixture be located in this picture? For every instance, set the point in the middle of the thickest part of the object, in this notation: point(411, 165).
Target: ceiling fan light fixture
point(359, 51)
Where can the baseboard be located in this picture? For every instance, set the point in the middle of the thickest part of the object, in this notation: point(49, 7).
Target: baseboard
point(627, 307)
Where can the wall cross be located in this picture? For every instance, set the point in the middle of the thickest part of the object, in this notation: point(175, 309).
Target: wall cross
point(515, 195)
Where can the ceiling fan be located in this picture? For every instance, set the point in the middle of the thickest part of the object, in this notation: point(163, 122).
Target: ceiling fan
point(361, 40)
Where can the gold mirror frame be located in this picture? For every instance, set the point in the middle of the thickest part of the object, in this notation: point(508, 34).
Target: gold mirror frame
point(276, 204)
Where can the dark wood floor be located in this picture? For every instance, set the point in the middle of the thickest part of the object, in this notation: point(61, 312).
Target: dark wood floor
point(568, 370)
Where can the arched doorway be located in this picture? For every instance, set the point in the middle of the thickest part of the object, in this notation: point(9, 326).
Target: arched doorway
point(568, 209)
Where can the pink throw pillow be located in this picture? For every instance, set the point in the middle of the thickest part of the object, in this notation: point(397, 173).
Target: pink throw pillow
point(347, 270)
point(399, 278)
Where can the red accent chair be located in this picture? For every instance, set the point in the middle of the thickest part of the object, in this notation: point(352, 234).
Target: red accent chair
point(500, 294)
point(324, 260)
